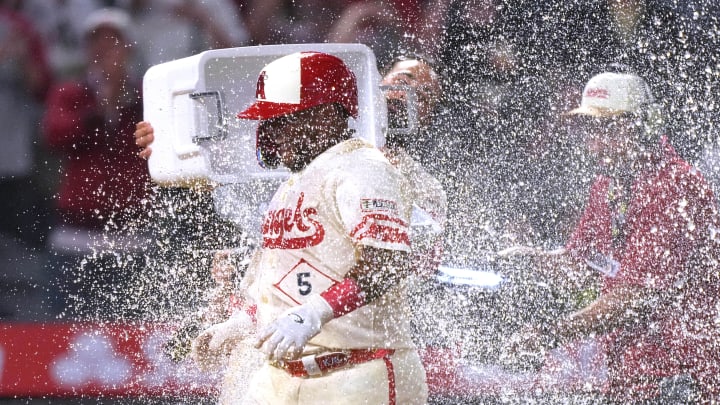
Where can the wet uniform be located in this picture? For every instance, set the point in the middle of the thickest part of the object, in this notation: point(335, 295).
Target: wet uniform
point(429, 212)
point(347, 197)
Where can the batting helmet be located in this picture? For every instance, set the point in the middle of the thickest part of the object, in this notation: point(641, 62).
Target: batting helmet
point(300, 81)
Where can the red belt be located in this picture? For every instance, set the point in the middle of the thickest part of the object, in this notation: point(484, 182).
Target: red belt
point(318, 364)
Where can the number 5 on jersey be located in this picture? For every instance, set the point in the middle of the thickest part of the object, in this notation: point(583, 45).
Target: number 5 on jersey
point(303, 280)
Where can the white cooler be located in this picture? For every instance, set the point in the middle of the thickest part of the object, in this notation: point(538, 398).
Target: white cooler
point(192, 104)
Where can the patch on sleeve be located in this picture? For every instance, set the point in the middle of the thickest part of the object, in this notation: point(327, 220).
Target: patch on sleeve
point(378, 205)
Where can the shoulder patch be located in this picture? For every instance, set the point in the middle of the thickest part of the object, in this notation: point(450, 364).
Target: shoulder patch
point(378, 205)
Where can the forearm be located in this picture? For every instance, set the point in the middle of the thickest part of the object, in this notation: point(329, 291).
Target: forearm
point(376, 272)
point(566, 272)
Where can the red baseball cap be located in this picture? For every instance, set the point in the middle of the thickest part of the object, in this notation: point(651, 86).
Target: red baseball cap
point(300, 81)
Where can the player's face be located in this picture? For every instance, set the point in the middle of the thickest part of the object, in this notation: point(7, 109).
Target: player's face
point(420, 76)
point(613, 141)
point(300, 137)
point(108, 52)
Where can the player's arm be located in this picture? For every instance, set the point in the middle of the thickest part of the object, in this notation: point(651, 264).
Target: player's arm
point(376, 272)
point(232, 315)
point(622, 307)
point(618, 308)
point(217, 341)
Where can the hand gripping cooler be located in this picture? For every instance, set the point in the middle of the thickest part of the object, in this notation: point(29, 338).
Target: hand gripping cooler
point(193, 102)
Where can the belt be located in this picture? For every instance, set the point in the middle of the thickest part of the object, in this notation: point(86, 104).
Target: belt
point(315, 365)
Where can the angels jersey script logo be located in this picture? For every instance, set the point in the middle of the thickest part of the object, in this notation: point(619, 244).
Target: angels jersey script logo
point(292, 228)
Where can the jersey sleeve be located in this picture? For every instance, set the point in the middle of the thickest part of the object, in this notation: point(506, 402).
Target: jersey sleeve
point(371, 205)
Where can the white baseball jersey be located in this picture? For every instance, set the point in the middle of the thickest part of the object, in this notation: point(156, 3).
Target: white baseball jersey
point(349, 196)
point(425, 192)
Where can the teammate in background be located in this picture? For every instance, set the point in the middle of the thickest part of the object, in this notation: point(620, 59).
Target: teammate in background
point(648, 230)
point(414, 82)
point(429, 201)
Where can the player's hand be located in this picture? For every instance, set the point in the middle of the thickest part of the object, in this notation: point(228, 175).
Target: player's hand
point(217, 341)
point(286, 337)
point(524, 350)
point(144, 135)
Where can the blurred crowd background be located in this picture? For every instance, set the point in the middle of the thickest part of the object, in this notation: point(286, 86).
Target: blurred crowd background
point(513, 170)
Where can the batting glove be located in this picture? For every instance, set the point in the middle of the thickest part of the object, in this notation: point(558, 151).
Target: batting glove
point(286, 337)
point(216, 342)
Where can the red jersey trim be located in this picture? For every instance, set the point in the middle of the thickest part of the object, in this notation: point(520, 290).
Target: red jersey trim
point(344, 297)
point(383, 228)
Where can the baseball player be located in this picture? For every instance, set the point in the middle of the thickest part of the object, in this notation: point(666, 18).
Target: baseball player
point(431, 333)
point(327, 283)
point(428, 213)
point(649, 231)
point(429, 201)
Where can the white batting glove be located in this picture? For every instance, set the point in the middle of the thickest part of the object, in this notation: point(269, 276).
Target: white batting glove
point(216, 342)
point(286, 337)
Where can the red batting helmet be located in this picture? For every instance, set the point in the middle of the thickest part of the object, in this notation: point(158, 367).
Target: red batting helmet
point(300, 81)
